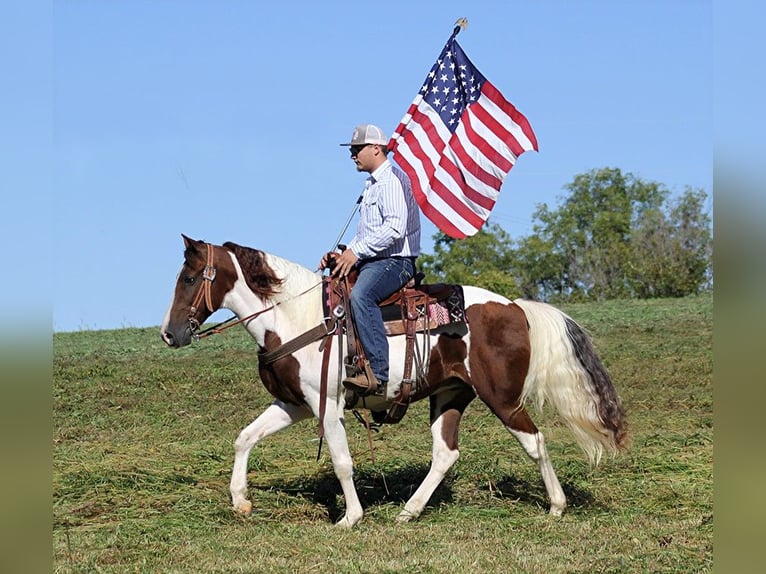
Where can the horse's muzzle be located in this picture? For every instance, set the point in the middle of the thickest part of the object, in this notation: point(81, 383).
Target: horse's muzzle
point(176, 341)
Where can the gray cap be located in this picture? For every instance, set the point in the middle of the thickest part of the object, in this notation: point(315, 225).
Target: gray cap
point(367, 134)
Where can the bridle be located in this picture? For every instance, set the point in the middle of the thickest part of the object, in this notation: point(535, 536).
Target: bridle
point(204, 296)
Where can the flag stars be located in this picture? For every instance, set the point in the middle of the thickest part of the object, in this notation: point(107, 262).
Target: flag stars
point(451, 85)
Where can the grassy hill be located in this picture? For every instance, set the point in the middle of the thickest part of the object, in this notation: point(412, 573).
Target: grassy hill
point(143, 451)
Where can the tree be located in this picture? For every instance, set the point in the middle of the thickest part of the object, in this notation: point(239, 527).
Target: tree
point(589, 235)
point(614, 236)
point(671, 253)
point(482, 260)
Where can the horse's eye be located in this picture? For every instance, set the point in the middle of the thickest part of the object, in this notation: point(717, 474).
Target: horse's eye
point(189, 280)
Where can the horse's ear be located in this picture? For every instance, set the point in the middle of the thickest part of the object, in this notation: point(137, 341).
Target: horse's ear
point(192, 247)
point(191, 244)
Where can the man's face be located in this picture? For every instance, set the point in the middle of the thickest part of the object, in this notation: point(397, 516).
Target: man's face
point(363, 156)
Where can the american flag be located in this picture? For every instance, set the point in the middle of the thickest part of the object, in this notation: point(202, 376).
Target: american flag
point(457, 142)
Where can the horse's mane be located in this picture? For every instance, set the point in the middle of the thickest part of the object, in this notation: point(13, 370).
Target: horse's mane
point(261, 278)
point(265, 278)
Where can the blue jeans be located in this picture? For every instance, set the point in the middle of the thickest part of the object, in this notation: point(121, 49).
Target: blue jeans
point(378, 278)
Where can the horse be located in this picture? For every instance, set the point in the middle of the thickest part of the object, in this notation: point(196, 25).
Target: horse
point(512, 353)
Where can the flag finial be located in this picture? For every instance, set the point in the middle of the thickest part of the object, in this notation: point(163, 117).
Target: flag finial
point(461, 24)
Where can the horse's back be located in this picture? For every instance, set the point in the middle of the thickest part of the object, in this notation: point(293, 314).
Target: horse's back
point(479, 295)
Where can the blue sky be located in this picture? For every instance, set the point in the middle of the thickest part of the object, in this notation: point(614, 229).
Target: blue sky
point(222, 120)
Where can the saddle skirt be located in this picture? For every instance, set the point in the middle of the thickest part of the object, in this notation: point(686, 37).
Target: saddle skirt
point(438, 308)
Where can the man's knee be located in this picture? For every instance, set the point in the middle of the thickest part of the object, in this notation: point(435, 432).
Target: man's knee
point(360, 297)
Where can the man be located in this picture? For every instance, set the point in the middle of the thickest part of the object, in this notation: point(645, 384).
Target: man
point(384, 249)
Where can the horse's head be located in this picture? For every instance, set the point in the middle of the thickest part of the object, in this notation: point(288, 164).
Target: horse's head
point(207, 274)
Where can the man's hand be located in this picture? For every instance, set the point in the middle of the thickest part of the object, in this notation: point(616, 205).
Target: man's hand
point(344, 263)
point(328, 260)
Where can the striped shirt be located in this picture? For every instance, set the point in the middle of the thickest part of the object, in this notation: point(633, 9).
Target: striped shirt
point(389, 217)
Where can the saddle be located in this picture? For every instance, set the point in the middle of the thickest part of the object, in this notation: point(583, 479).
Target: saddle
point(416, 308)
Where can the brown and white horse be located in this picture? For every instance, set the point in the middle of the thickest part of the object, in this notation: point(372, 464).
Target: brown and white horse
point(514, 351)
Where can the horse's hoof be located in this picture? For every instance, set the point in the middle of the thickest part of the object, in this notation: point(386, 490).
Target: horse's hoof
point(556, 511)
point(347, 522)
point(344, 523)
point(244, 508)
point(406, 516)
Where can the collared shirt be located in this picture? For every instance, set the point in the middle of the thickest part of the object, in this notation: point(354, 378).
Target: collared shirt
point(389, 218)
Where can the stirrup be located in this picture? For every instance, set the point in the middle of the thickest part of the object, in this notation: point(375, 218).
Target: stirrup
point(364, 385)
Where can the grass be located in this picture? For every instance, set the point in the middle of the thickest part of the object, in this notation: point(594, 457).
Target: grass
point(143, 450)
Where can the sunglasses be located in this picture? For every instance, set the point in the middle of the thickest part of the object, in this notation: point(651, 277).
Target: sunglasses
point(355, 149)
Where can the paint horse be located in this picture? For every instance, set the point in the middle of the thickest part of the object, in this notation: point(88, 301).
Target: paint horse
point(513, 352)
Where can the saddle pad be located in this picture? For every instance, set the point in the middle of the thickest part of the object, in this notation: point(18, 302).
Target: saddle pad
point(445, 312)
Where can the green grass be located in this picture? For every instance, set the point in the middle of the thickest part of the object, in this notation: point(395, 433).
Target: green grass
point(143, 451)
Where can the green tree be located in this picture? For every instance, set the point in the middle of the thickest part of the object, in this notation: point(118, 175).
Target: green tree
point(482, 260)
point(613, 236)
point(588, 236)
point(671, 253)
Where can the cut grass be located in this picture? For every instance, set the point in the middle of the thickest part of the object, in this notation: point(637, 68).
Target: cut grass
point(143, 451)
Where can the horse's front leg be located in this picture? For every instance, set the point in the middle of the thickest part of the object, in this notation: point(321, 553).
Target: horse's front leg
point(275, 418)
point(337, 444)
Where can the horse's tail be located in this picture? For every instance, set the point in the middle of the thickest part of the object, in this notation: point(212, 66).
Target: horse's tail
point(565, 370)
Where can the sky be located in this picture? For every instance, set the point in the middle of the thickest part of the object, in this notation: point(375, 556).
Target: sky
point(138, 121)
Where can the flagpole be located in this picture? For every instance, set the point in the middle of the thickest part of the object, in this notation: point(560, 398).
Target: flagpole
point(348, 222)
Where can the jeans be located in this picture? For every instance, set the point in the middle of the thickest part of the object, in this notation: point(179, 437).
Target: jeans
point(378, 278)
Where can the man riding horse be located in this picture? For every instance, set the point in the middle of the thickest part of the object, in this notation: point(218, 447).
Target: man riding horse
point(383, 251)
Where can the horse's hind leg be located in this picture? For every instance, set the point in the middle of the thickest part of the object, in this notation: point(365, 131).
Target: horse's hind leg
point(533, 442)
point(446, 411)
point(275, 418)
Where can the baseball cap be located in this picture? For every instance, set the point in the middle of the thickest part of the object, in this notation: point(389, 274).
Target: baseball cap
point(367, 134)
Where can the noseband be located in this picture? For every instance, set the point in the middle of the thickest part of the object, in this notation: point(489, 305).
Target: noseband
point(208, 276)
